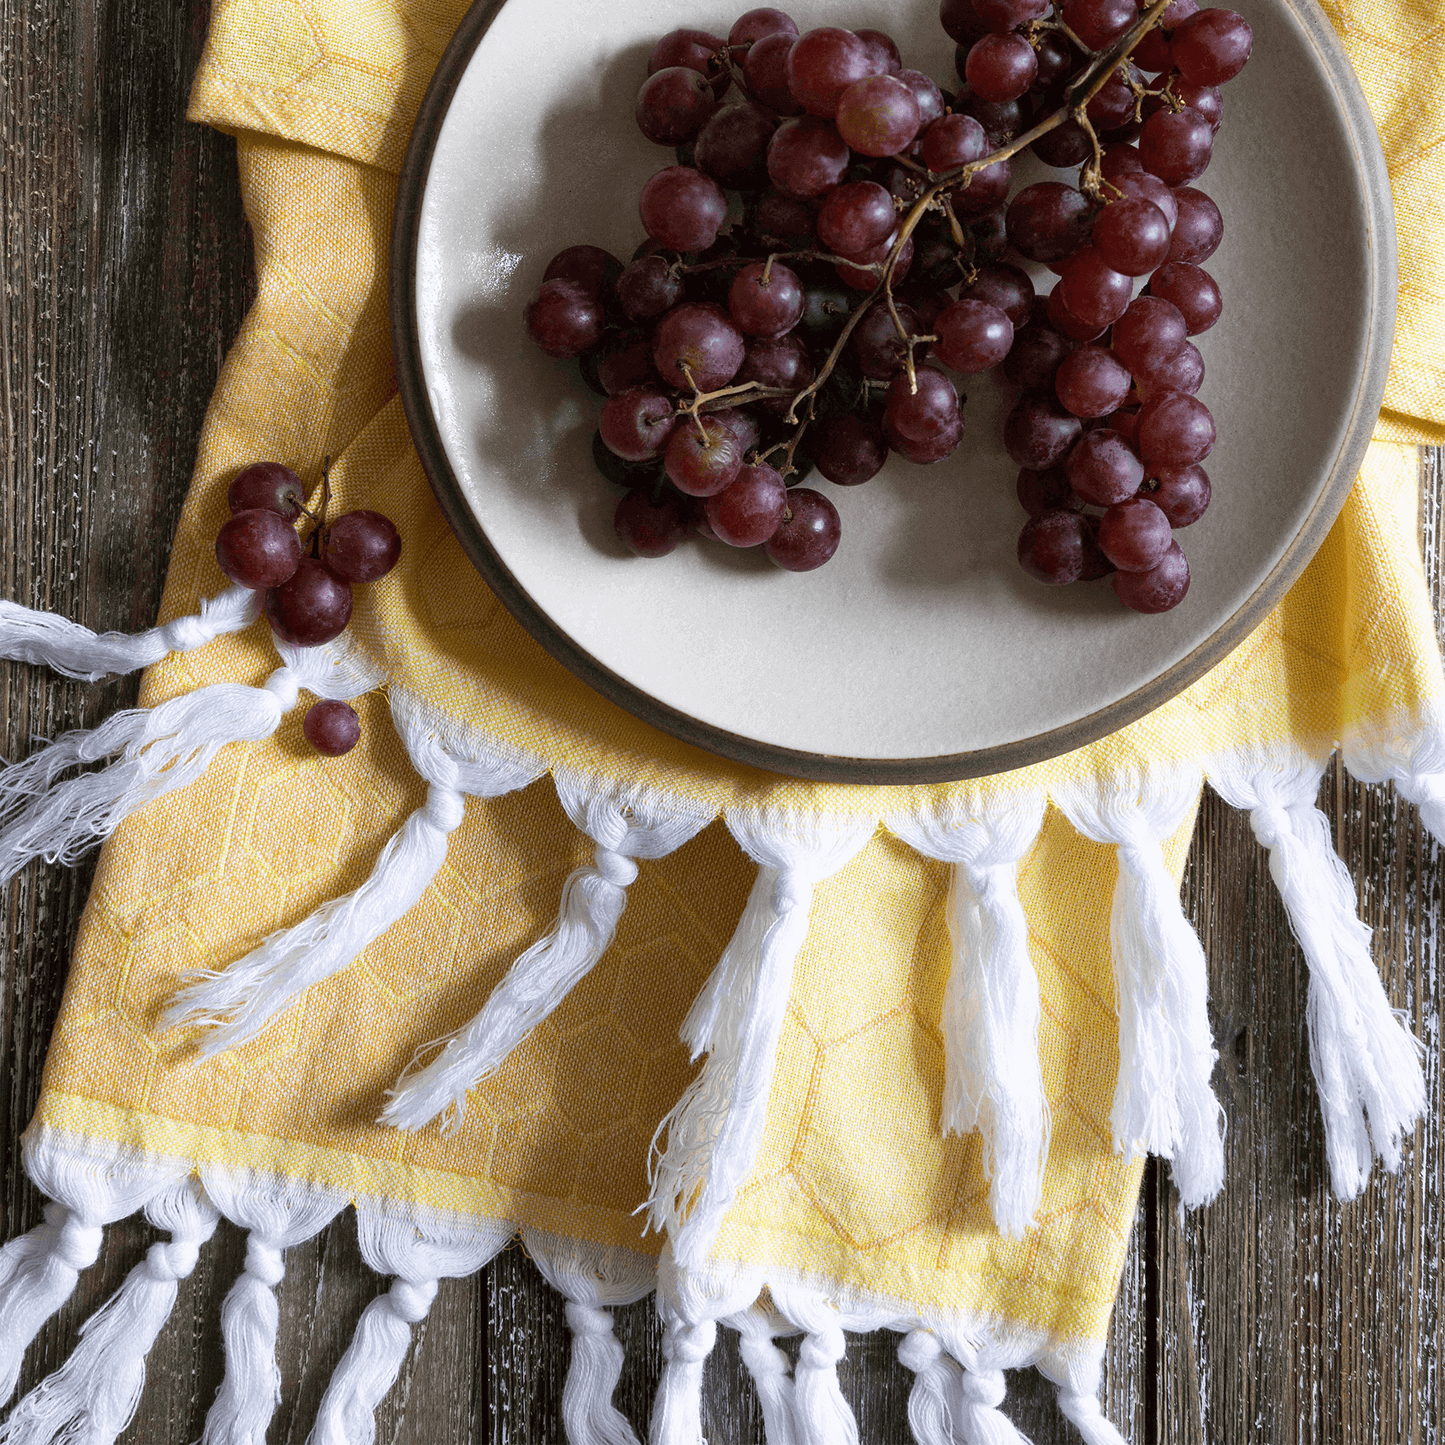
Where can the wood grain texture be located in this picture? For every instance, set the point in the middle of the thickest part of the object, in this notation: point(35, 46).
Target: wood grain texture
point(1274, 1315)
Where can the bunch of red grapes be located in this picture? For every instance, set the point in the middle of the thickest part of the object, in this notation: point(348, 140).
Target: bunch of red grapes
point(307, 597)
point(837, 243)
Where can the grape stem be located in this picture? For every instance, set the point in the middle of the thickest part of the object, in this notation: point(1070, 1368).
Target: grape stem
point(1076, 97)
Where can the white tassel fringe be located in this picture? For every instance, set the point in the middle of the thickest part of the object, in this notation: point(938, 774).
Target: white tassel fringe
point(714, 1130)
point(992, 1080)
point(771, 1371)
point(1163, 1102)
point(935, 1387)
point(418, 1253)
point(39, 1270)
point(1366, 1062)
point(242, 1000)
point(592, 1279)
point(822, 1416)
point(690, 1312)
point(76, 651)
point(279, 1213)
point(1412, 756)
point(155, 751)
point(94, 1395)
point(625, 825)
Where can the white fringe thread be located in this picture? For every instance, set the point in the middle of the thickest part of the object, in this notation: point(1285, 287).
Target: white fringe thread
point(278, 1213)
point(39, 1270)
point(155, 751)
point(992, 1079)
point(625, 825)
point(593, 1280)
point(770, 1369)
point(419, 1253)
point(714, 1130)
point(821, 1415)
point(242, 1000)
point(76, 651)
point(1366, 1062)
point(1163, 1103)
point(94, 1395)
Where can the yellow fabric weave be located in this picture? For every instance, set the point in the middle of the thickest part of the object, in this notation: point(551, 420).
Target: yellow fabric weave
point(853, 1183)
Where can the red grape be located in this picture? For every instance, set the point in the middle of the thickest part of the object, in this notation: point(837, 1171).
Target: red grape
point(1184, 372)
point(749, 28)
point(1001, 67)
point(636, 424)
point(878, 116)
point(695, 49)
point(1049, 221)
point(563, 320)
point(766, 71)
point(876, 345)
point(1039, 433)
point(1051, 547)
point(682, 208)
point(1150, 333)
point(1132, 235)
point(361, 546)
point(1211, 46)
point(1181, 493)
point(766, 298)
point(1040, 492)
point(855, 217)
point(647, 287)
point(732, 147)
point(925, 413)
point(697, 345)
point(808, 534)
point(1004, 286)
point(782, 362)
point(1176, 145)
point(1193, 291)
point(703, 457)
point(332, 728)
point(1103, 469)
point(311, 607)
point(589, 267)
point(848, 450)
point(1175, 430)
point(648, 528)
point(1160, 588)
point(269, 485)
point(806, 157)
point(972, 336)
point(673, 104)
point(1098, 23)
point(258, 548)
point(1134, 535)
point(1092, 382)
point(1199, 229)
point(1033, 360)
point(823, 63)
point(747, 512)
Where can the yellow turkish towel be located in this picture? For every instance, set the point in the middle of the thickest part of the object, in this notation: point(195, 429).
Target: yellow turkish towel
point(855, 1209)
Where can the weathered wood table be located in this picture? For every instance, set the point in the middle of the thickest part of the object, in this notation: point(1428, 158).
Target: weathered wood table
point(1275, 1315)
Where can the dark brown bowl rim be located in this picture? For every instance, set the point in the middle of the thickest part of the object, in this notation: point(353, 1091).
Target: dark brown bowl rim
point(830, 768)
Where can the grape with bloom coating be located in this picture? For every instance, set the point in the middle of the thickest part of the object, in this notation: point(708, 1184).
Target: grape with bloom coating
point(258, 548)
point(361, 546)
point(1092, 290)
point(848, 450)
point(1001, 67)
point(647, 287)
point(311, 607)
point(1051, 547)
point(1199, 228)
point(1192, 290)
point(696, 49)
point(878, 116)
point(1039, 433)
point(776, 361)
point(808, 534)
point(589, 267)
point(1175, 430)
point(1211, 46)
point(1049, 221)
point(766, 71)
point(1134, 535)
point(636, 424)
point(1004, 286)
point(856, 216)
point(732, 147)
point(1181, 493)
point(331, 727)
point(1103, 469)
point(1176, 146)
point(1157, 590)
point(751, 26)
point(1149, 333)
point(922, 414)
point(747, 512)
point(807, 157)
point(1092, 382)
point(673, 105)
point(1040, 492)
point(1132, 235)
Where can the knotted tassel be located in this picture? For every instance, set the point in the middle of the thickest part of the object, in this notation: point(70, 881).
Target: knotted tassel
point(935, 1386)
point(821, 1414)
point(625, 825)
point(1162, 1102)
point(94, 1395)
point(420, 1253)
point(689, 1316)
point(771, 1372)
point(155, 751)
point(242, 1000)
point(592, 1279)
point(1365, 1061)
point(76, 651)
point(38, 1270)
point(1412, 757)
point(278, 1214)
point(1082, 1407)
point(977, 1417)
point(714, 1130)
point(992, 1080)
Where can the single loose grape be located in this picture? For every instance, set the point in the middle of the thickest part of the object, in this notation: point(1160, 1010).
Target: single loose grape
point(331, 727)
point(361, 546)
point(311, 607)
point(808, 534)
point(270, 486)
point(258, 548)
